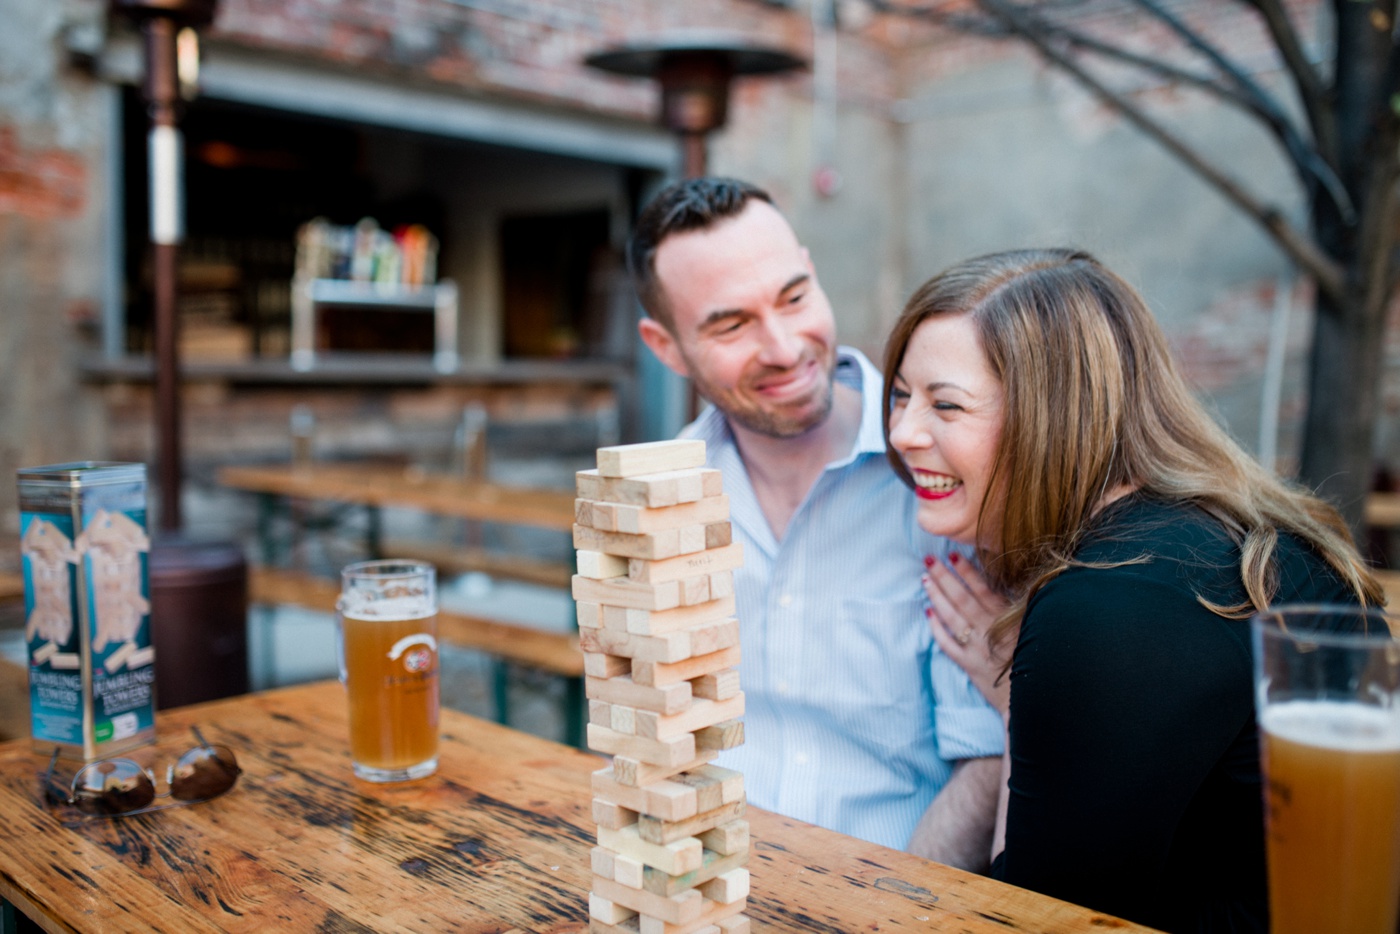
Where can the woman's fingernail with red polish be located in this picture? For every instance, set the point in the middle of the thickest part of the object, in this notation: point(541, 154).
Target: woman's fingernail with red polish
point(954, 558)
point(928, 561)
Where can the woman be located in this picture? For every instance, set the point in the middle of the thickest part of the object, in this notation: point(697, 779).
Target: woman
point(1037, 414)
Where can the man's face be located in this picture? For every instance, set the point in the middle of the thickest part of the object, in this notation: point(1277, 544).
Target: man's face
point(750, 324)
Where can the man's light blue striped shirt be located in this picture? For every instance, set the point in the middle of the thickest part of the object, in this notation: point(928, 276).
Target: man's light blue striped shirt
point(853, 716)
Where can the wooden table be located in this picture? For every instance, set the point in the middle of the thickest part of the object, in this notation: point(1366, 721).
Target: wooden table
point(496, 842)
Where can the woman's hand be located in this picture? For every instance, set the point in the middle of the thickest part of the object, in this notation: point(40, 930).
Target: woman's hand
point(962, 610)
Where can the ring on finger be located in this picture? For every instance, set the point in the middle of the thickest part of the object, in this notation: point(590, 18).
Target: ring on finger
point(966, 637)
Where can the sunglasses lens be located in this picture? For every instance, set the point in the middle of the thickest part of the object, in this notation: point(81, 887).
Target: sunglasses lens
point(112, 786)
point(204, 772)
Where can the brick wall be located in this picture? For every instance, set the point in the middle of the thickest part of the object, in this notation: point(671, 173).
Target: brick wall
point(527, 49)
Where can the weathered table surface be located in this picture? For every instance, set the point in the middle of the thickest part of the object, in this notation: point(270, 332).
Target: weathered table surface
point(496, 841)
point(371, 485)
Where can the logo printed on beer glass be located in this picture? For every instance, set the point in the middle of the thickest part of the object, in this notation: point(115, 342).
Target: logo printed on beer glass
point(408, 642)
point(418, 660)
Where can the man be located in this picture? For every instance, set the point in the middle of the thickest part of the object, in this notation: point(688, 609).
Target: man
point(854, 721)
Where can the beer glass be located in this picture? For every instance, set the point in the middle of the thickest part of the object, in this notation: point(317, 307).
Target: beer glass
point(389, 665)
point(1327, 693)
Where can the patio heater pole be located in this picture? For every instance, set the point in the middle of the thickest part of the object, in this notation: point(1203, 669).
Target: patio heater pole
point(160, 22)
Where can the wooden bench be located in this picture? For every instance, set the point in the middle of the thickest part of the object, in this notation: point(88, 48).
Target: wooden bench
point(1390, 582)
point(1383, 510)
point(508, 643)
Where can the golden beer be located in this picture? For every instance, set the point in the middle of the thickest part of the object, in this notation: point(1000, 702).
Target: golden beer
point(1332, 774)
point(389, 663)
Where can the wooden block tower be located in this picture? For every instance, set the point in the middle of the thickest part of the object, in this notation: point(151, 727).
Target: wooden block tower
point(655, 593)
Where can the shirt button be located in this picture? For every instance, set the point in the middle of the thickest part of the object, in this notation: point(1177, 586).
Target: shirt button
point(782, 688)
point(800, 758)
point(785, 600)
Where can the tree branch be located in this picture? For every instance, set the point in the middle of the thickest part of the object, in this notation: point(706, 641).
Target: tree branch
point(1305, 156)
point(1311, 90)
point(1329, 275)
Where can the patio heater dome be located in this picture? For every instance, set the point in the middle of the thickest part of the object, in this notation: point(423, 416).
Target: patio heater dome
point(694, 70)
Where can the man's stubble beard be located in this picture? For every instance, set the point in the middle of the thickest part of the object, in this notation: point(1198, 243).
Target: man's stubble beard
point(771, 422)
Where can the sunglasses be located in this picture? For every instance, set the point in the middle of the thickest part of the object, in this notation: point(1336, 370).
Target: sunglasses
point(122, 788)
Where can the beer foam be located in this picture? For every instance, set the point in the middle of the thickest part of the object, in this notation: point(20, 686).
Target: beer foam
point(389, 609)
point(1338, 725)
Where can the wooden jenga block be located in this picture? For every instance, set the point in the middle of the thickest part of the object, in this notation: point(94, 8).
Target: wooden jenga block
point(667, 699)
point(726, 838)
point(659, 674)
point(683, 566)
point(691, 539)
point(726, 735)
point(718, 685)
point(701, 713)
point(634, 460)
point(615, 816)
point(718, 534)
point(657, 622)
point(590, 615)
point(600, 566)
point(713, 864)
point(675, 858)
point(676, 909)
point(630, 926)
point(668, 647)
point(692, 591)
point(667, 800)
point(727, 887)
point(624, 719)
point(713, 785)
point(636, 520)
point(652, 546)
point(621, 592)
point(607, 911)
point(630, 771)
point(600, 712)
point(738, 924)
point(710, 916)
point(654, 491)
point(600, 664)
point(615, 716)
point(721, 585)
point(668, 753)
point(602, 860)
point(628, 871)
point(659, 831)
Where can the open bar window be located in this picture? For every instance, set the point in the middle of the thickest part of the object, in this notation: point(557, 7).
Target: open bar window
point(529, 242)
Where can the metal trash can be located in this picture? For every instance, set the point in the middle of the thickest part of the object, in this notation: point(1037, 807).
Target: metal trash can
point(199, 619)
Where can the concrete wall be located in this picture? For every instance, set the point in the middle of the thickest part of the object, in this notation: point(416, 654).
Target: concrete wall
point(55, 127)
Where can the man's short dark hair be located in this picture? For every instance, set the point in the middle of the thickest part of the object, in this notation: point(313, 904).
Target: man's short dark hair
point(690, 204)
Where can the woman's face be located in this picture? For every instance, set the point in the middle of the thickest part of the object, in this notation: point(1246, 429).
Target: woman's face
point(945, 421)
